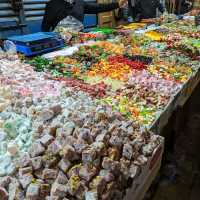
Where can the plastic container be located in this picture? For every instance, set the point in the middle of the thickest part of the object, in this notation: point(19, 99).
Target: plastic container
point(9, 46)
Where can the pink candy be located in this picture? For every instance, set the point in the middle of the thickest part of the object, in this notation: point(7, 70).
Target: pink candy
point(25, 81)
point(156, 84)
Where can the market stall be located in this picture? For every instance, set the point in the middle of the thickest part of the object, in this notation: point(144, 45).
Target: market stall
point(84, 122)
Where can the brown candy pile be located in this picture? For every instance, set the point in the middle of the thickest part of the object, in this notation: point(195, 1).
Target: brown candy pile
point(145, 94)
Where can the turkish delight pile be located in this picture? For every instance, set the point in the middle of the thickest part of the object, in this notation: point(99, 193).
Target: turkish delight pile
point(59, 144)
point(24, 80)
point(93, 157)
point(156, 84)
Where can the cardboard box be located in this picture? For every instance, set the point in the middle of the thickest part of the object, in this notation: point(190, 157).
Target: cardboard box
point(106, 19)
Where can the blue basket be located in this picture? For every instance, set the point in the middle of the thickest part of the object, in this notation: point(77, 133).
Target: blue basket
point(90, 20)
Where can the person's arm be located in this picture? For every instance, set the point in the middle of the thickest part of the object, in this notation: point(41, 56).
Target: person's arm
point(94, 8)
point(47, 21)
point(46, 27)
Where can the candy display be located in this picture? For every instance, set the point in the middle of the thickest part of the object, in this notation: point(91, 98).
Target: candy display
point(143, 59)
point(117, 67)
point(175, 57)
point(97, 90)
point(74, 162)
point(132, 26)
point(16, 137)
point(25, 81)
point(132, 64)
point(139, 102)
point(189, 46)
point(68, 146)
point(185, 27)
point(147, 60)
point(154, 83)
point(78, 127)
point(166, 71)
point(104, 68)
point(84, 37)
point(112, 84)
point(110, 47)
point(106, 31)
point(74, 37)
point(154, 36)
point(91, 54)
point(142, 113)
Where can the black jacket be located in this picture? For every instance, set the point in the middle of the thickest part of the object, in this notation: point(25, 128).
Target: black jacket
point(133, 11)
point(57, 10)
point(148, 8)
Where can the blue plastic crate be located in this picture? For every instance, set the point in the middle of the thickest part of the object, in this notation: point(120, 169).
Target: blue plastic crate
point(37, 43)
